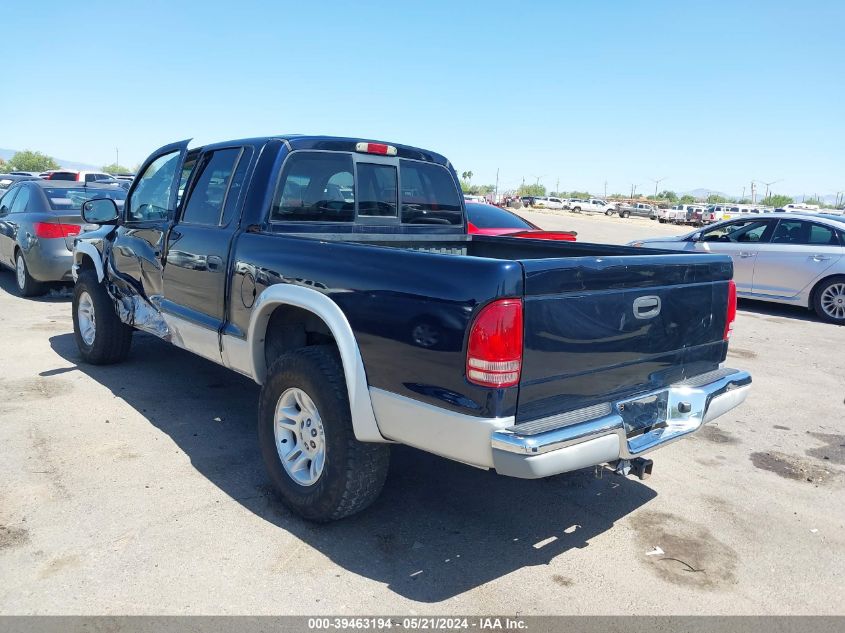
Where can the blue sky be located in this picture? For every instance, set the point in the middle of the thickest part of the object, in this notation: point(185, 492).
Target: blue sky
point(703, 94)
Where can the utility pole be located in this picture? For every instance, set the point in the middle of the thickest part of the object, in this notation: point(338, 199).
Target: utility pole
point(496, 193)
point(743, 194)
point(557, 187)
point(116, 156)
point(753, 193)
point(657, 182)
point(605, 190)
point(633, 190)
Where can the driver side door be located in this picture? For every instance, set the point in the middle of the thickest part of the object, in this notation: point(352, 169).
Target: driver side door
point(138, 253)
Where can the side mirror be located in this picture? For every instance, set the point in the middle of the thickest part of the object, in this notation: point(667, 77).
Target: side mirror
point(696, 237)
point(100, 211)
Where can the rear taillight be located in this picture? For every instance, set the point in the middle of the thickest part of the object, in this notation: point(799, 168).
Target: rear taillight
point(55, 229)
point(494, 351)
point(376, 148)
point(731, 315)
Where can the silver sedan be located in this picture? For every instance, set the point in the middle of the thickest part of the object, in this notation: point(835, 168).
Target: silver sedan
point(780, 257)
point(39, 220)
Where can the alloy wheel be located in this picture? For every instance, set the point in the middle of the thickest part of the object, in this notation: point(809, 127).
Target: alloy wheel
point(300, 438)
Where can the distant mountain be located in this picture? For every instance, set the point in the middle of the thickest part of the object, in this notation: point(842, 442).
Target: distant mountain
point(6, 154)
point(703, 193)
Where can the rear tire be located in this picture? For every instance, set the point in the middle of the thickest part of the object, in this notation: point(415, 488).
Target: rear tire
point(829, 300)
point(26, 285)
point(304, 419)
point(102, 338)
point(576, 209)
point(625, 214)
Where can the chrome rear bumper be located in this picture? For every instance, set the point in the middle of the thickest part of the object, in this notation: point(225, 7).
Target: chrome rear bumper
point(617, 430)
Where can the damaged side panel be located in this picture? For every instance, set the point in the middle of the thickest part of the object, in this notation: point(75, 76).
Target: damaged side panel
point(134, 309)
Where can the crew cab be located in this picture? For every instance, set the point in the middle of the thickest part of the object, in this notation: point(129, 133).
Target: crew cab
point(338, 274)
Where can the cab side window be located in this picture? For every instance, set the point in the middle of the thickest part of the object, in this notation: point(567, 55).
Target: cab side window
point(208, 195)
point(150, 200)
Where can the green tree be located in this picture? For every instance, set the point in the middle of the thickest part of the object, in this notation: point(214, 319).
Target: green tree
point(716, 199)
point(467, 175)
point(616, 196)
point(531, 190)
point(578, 194)
point(668, 196)
point(686, 199)
point(817, 201)
point(114, 168)
point(28, 160)
point(776, 200)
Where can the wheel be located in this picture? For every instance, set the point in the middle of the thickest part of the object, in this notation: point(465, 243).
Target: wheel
point(661, 220)
point(608, 212)
point(625, 214)
point(829, 301)
point(317, 467)
point(27, 286)
point(576, 209)
point(100, 335)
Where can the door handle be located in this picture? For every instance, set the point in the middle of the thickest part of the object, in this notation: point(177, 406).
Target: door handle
point(820, 258)
point(745, 254)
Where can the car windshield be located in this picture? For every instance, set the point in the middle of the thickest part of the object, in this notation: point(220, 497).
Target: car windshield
point(71, 198)
point(485, 216)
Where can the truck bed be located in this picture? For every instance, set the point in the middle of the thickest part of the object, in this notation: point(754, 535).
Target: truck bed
point(584, 341)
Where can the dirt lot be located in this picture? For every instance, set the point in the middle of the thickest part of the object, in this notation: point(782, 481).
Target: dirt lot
point(138, 489)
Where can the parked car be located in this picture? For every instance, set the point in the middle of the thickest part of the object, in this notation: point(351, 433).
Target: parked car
point(778, 257)
point(321, 301)
point(38, 221)
point(548, 202)
point(472, 198)
point(24, 173)
point(640, 209)
point(486, 219)
point(76, 176)
point(681, 214)
point(528, 201)
point(7, 180)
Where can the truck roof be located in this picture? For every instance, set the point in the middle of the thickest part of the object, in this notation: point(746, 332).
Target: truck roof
point(332, 143)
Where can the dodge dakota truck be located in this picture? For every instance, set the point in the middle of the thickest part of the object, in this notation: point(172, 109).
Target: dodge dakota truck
point(338, 274)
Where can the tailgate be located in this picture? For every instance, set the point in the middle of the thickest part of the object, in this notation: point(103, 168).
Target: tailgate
point(602, 328)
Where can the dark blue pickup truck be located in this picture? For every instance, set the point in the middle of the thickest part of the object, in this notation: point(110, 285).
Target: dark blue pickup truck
point(338, 274)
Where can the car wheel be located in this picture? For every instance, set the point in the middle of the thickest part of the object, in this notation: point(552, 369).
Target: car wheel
point(27, 286)
point(625, 214)
point(661, 220)
point(829, 301)
point(317, 467)
point(102, 338)
point(576, 209)
point(608, 212)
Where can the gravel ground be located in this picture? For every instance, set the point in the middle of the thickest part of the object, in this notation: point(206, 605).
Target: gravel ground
point(138, 489)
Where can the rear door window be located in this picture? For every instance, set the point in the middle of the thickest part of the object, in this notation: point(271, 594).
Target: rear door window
point(7, 199)
point(21, 201)
point(208, 195)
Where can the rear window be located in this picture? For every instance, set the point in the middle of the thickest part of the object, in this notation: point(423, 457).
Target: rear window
point(485, 216)
point(320, 187)
point(71, 199)
point(63, 175)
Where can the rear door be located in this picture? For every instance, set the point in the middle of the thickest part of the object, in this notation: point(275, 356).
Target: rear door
point(799, 253)
point(198, 245)
point(6, 235)
point(138, 248)
point(599, 328)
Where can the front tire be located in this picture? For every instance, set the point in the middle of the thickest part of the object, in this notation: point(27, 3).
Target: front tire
point(101, 337)
point(829, 301)
point(318, 468)
point(27, 286)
